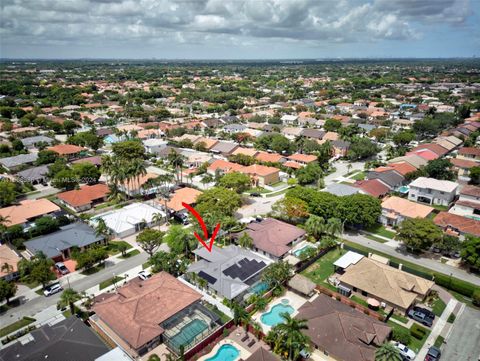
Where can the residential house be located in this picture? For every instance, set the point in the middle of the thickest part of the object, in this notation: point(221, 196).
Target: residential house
point(456, 225)
point(302, 159)
point(291, 132)
point(222, 166)
point(27, 211)
point(262, 175)
point(224, 148)
point(289, 119)
point(340, 332)
point(432, 191)
point(313, 134)
point(152, 146)
point(391, 178)
point(35, 175)
point(138, 186)
point(262, 354)
point(402, 168)
point(68, 151)
point(85, 198)
point(251, 152)
point(234, 128)
point(230, 272)
point(18, 161)
point(65, 339)
point(413, 159)
point(394, 287)
point(274, 238)
point(141, 315)
point(395, 210)
point(208, 143)
point(340, 147)
point(266, 157)
point(374, 187)
point(130, 219)
point(468, 203)
point(341, 190)
point(9, 263)
point(450, 143)
point(462, 168)
point(469, 153)
point(182, 195)
point(33, 142)
point(58, 245)
point(425, 153)
point(433, 147)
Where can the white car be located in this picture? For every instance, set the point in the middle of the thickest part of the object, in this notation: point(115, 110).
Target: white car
point(405, 351)
point(144, 275)
point(52, 289)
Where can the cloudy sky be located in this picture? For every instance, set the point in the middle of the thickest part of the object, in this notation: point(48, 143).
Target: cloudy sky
point(239, 29)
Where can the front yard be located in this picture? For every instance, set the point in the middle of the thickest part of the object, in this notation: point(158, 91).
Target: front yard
point(415, 344)
point(380, 230)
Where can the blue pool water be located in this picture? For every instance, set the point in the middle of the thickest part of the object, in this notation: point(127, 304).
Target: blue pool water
point(260, 288)
point(225, 353)
point(404, 189)
point(272, 317)
point(298, 252)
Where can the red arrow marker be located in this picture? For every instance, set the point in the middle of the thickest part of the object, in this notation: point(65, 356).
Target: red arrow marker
point(204, 228)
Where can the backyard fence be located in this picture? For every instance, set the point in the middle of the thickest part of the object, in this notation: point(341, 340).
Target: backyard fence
point(303, 265)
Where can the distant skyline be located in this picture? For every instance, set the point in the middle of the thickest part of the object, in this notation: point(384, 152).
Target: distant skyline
point(239, 29)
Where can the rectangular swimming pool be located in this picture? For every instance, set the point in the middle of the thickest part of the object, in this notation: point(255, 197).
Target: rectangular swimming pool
point(189, 332)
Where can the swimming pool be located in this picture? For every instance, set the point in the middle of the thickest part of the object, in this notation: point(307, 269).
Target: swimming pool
point(272, 317)
point(404, 189)
point(188, 333)
point(225, 353)
point(299, 251)
point(260, 288)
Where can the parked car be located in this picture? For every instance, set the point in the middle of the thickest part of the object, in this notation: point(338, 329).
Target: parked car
point(405, 351)
point(424, 310)
point(182, 218)
point(255, 194)
point(52, 289)
point(144, 275)
point(421, 317)
point(433, 354)
point(60, 266)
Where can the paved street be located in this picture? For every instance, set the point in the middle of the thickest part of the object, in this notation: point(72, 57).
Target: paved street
point(463, 343)
point(425, 262)
point(38, 304)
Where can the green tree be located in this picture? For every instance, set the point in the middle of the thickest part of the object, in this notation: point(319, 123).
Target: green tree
point(180, 240)
point(38, 269)
point(418, 233)
point(245, 240)
point(287, 338)
point(470, 252)
point(332, 125)
point(240, 315)
point(68, 298)
point(290, 208)
point(403, 138)
point(309, 174)
point(46, 224)
point(86, 172)
point(150, 240)
point(129, 150)
point(235, 181)
point(168, 262)
point(362, 148)
point(315, 226)
point(7, 290)
point(475, 175)
point(218, 200)
point(276, 274)
point(89, 257)
point(7, 193)
point(65, 179)
point(387, 352)
point(359, 209)
point(440, 169)
point(46, 157)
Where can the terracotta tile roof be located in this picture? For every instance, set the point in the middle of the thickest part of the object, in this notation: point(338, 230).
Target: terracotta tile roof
point(260, 170)
point(462, 224)
point(187, 195)
point(138, 183)
point(64, 149)
point(374, 187)
point(85, 195)
point(331, 136)
point(224, 166)
point(93, 160)
point(385, 283)
point(345, 333)
point(463, 163)
point(304, 158)
point(8, 256)
point(469, 151)
point(293, 165)
point(273, 236)
point(470, 190)
point(137, 310)
point(268, 157)
point(436, 148)
point(28, 209)
point(406, 208)
point(425, 154)
point(245, 151)
point(209, 143)
point(403, 168)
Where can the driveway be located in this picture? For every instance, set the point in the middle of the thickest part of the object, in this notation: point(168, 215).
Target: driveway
point(463, 343)
point(342, 169)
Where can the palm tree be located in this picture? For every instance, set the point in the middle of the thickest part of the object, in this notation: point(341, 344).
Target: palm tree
point(3, 225)
point(68, 298)
point(288, 336)
point(334, 227)
point(257, 329)
point(245, 240)
point(7, 268)
point(176, 161)
point(207, 178)
point(157, 218)
point(101, 229)
point(315, 225)
point(277, 273)
point(240, 315)
point(387, 352)
point(349, 167)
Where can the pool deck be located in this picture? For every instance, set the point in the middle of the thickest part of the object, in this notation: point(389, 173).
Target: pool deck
point(296, 301)
point(244, 353)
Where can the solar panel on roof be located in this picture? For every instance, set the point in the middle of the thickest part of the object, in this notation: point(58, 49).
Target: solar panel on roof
point(207, 277)
point(244, 269)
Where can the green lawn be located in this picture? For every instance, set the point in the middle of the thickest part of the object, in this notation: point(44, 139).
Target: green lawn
point(323, 268)
point(438, 307)
point(451, 318)
point(359, 300)
point(277, 193)
point(400, 318)
point(439, 341)
point(380, 230)
point(359, 176)
point(258, 190)
point(376, 239)
point(92, 270)
point(112, 247)
point(110, 282)
point(131, 254)
point(16, 326)
point(414, 344)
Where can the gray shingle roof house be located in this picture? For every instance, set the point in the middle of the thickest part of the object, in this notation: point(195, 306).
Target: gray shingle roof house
point(390, 178)
point(69, 339)
point(313, 133)
point(31, 142)
point(234, 128)
point(59, 243)
point(224, 148)
point(341, 189)
point(34, 175)
point(18, 160)
point(230, 271)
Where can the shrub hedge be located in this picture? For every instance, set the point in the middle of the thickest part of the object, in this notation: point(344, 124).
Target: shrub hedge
point(418, 331)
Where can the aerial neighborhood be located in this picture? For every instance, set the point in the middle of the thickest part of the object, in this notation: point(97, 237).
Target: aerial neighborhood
point(341, 202)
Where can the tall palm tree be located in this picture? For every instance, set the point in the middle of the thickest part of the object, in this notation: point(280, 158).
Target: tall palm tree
point(292, 340)
point(176, 160)
point(6, 268)
point(334, 227)
point(3, 225)
point(245, 240)
point(315, 225)
point(68, 298)
point(207, 178)
point(387, 352)
point(240, 315)
point(107, 166)
point(157, 218)
point(101, 229)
